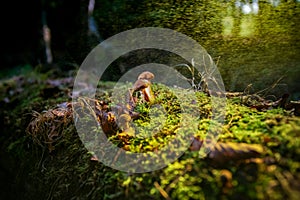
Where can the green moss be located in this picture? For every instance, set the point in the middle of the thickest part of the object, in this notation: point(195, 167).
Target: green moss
point(67, 171)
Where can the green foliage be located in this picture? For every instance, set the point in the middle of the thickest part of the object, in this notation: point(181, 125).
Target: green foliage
point(159, 122)
point(67, 172)
point(257, 49)
point(15, 71)
point(198, 19)
point(279, 21)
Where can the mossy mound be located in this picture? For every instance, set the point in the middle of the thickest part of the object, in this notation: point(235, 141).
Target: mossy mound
point(49, 161)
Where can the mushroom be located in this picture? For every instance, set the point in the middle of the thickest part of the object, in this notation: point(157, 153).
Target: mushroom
point(146, 75)
point(143, 86)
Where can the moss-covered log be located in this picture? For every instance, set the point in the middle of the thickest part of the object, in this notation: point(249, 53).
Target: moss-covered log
point(256, 157)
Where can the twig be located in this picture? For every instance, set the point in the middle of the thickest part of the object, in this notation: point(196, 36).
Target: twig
point(162, 191)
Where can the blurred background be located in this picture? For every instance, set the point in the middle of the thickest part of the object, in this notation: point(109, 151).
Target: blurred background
point(255, 43)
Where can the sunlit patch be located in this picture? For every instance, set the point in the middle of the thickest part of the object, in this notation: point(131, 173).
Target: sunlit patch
point(158, 112)
point(246, 9)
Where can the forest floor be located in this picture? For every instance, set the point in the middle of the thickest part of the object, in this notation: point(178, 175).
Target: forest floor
point(257, 155)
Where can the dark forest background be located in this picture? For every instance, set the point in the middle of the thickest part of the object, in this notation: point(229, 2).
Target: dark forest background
point(253, 42)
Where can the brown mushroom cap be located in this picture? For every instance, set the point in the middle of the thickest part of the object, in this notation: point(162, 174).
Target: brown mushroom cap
point(140, 84)
point(146, 75)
